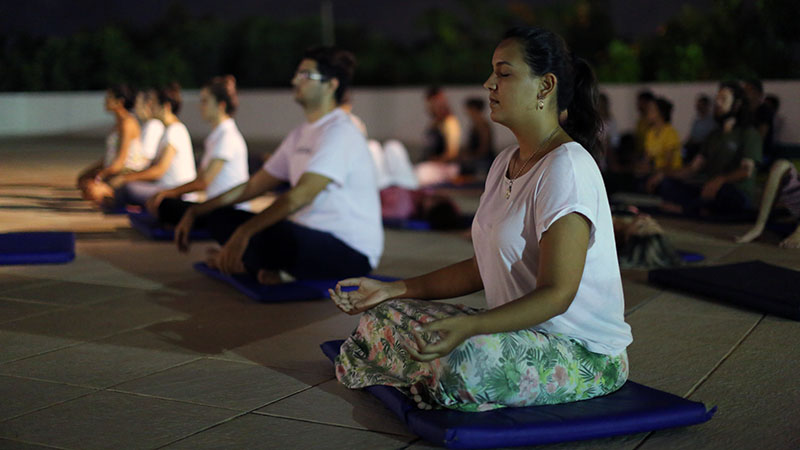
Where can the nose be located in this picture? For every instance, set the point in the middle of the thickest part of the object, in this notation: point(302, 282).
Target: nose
point(490, 83)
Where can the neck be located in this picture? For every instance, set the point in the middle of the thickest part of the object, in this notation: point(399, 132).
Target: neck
point(120, 114)
point(728, 124)
point(532, 136)
point(219, 119)
point(316, 112)
point(170, 118)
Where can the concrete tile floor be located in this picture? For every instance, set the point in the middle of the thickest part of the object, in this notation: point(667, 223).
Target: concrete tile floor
point(128, 347)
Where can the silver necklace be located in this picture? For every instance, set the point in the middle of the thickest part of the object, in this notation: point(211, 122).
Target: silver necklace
point(525, 164)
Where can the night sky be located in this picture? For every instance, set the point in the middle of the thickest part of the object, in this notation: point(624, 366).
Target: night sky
point(395, 18)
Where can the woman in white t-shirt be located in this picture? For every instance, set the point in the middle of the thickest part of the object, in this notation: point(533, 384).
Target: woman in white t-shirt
point(224, 163)
point(123, 147)
point(173, 164)
point(152, 128)
point(544, 254)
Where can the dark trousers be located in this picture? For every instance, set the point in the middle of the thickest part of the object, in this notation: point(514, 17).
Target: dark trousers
point(303, 252)
point(729, 199)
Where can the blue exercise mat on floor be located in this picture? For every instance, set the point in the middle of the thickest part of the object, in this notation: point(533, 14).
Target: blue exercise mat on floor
point(690, 257)
point(149, 226)
point(287, 292)
point(46, 247)
point(464, 222)
point(753, 284)
point(632, 409)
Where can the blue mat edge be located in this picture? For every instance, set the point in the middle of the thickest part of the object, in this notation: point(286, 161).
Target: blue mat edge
point(146, 224)
point(470, 437)
point(57, 257)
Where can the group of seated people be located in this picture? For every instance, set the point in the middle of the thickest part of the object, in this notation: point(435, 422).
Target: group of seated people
point(714, 173)
point(543, 234)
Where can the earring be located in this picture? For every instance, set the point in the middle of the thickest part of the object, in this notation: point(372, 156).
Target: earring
point(541, 102)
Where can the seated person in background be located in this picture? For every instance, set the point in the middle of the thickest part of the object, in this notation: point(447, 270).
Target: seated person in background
point(643, 99)
point(478, 154)
point(152, 128)
point(224, 163)
point(762, 114)
point(702, 125)
point(662, 145)
point(328, 224)
point(123, 146)
point(442, 141)
point(720, 179)
point(609, 136)
point(784, 183)
point(172, 166)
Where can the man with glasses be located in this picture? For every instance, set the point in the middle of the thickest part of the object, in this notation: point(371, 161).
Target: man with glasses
point(328, 224)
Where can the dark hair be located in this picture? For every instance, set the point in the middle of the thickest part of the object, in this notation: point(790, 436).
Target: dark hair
point(546, 52)
point(432, 91)
point(223, 88)
point(664, 108)
point(645, 94)
point(742, 112)
point(475, 103)
point(776, 102)
point(171, 94)
point(703, 98)
point(756, 84)
point(333, 62)
point(125, 93)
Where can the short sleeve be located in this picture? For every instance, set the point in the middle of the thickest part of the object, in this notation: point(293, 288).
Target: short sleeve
point(560, 192)
point(278, 164)
point(333, 157)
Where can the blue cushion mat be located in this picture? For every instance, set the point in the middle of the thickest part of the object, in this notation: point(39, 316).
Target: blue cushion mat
point(287, 292)
point(465, 221)
point(632, 409)
point(48, 247)
point(149, 226)
point(753, 284)
point(690, 257)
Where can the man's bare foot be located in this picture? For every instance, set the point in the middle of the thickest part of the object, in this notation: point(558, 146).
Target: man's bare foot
point(211, 258)
point(269, 277)
point(750, 236)
point(793, 241)
point(418, 393)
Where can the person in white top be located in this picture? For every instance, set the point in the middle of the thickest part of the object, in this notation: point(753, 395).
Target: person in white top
point(122, 145)
point(152, 128)
point(544, 254)
point(329, 222)
point(224, 163)
point(173, 164)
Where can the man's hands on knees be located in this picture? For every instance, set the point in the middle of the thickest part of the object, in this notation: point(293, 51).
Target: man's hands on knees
point(183, 229)
point(370, 293)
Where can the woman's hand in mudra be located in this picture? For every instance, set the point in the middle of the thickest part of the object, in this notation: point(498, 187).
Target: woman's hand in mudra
point(369, 293)
point(446, 334)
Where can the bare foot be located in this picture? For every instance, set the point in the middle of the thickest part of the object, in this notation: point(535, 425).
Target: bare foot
point(211, 258)
point(750, 236)
point(418, 393)
point(793, 241)
point(269, 277)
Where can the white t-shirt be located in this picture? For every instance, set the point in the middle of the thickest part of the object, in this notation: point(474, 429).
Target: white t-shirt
point(226, 143)
point(133, 161)
point(349, 207)
point(506, 235)
point(182, 169)
point(152, 131)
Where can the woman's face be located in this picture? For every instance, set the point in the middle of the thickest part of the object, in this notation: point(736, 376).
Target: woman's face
point(208, 106)
point(160, 111)
point(512, 87)
point(111, 103)
point(141, 108)
point(652, 114)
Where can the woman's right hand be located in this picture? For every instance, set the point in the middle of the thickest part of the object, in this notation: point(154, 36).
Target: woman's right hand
point(369, 293)
point(153, 203)
point(183, 229)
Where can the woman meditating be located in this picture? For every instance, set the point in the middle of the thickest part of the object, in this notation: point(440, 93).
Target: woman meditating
point(544, 254)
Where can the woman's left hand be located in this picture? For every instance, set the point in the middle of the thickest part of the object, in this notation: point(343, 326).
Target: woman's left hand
point(229, 258)
point(451, 332)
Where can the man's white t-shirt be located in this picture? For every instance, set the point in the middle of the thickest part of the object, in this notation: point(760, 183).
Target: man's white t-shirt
point(506, 235)
point(349, 207)
point(226, 143)
point(152, 131)
point(182, 169)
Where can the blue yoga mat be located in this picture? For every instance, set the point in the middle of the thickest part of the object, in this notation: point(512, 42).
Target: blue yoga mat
point(634, 408)
point(464, 222)
point(287, 292)
point(149, 226)
point(48, 247)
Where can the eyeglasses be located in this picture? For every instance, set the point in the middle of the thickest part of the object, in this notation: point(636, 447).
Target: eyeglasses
point(308, 75)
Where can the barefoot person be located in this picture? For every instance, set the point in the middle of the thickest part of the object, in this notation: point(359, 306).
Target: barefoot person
point(544, 254)
point(328, 225)
point(784, 183)
point(224, 163)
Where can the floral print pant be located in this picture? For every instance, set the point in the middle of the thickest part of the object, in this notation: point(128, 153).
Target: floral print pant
point(489, 371)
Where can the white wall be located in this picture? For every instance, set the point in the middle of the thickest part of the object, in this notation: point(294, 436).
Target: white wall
point(267, 115)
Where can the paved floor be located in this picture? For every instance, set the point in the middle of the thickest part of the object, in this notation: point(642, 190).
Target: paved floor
point(127, 347)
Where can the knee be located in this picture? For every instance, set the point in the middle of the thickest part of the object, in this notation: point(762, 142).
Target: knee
point(780, 166)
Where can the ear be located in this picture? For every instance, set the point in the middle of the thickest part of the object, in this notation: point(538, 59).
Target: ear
point(547, 85)
point(334, 82)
